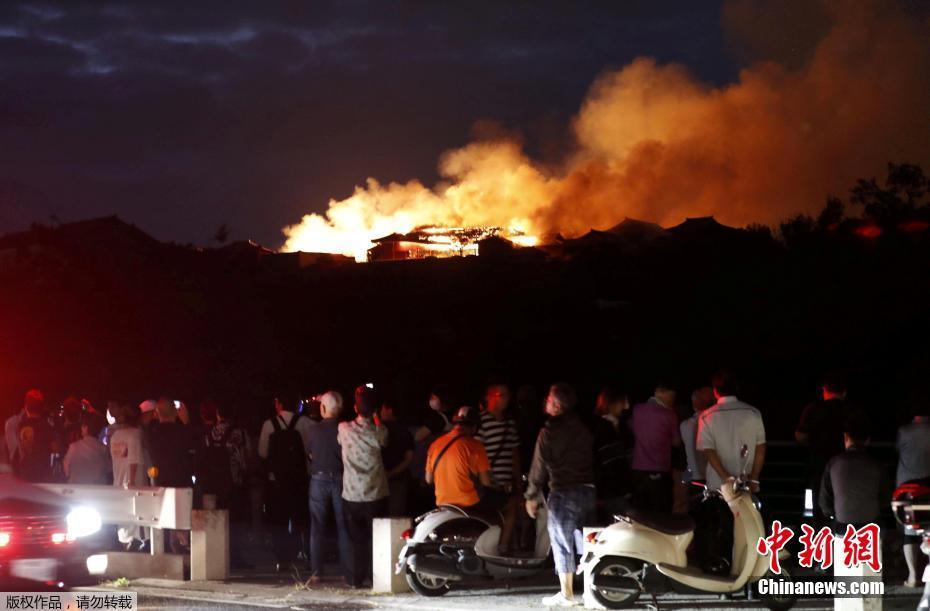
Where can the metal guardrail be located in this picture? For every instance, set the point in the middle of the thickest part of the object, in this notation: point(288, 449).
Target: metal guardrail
point(149, 507)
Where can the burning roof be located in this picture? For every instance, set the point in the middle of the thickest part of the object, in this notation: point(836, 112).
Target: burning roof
point(434, 241)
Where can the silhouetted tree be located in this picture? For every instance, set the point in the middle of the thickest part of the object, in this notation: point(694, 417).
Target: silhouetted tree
point(905, 187)
point(797, 230)
point(760, 230)
point(832, 214)
point(907, 180)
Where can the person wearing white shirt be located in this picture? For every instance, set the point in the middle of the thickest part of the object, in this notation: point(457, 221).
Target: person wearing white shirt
point(723, 430)
point(284, 418)
point(128, 456)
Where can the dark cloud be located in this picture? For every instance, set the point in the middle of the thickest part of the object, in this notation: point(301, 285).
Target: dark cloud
point(181, 115)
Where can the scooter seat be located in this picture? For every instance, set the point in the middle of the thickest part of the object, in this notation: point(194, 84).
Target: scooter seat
point(668, 523)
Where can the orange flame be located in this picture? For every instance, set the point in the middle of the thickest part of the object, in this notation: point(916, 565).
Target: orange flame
point(656, 144)
point(488, 184)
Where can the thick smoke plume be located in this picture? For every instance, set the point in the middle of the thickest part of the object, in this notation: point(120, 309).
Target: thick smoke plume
point(654, 143)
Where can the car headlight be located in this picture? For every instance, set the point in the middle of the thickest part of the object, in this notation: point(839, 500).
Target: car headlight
point(83, 521)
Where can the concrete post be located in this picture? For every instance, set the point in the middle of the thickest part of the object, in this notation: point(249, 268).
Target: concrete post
point(209, 544)
point(588, 599)
point(156, 541)
point(132, 565)
point(873, 603)
point(385, 547)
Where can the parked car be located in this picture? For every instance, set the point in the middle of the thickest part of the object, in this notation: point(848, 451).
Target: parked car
point(40, 547)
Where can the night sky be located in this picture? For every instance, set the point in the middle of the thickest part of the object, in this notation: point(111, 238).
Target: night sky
point(182, 116)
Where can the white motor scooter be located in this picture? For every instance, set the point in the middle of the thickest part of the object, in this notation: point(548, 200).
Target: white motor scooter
point(449, 546)
point(646, 553)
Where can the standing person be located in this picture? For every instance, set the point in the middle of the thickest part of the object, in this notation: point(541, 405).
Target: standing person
point(225, 473)
point(87, 461)
point(397, 456)
point(172, 446)
point(655, 434)
point(33, 400)
point(225, 466)
point(35, 445)
point(127, 455)
point(701, 399)
point(563, 459)
point(703, 542)
point(208, 414)
point(326, 472)
point(436, 421)
point(127, 449)
point(71, 421)
point(722, 432)
point(282, 444)
point(613, 444)
point(147, 415)
point(913, 444)
point(821, 428)
point(364, 482)
point(854, 486)
point(498, 433)
point(724, 429)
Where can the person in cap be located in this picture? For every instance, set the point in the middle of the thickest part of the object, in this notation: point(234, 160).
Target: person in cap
point(147, 413)
point(36, 444)
point(33, 401)
point(455, 459)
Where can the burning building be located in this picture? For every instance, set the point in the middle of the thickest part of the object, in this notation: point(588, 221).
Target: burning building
point(440, 242)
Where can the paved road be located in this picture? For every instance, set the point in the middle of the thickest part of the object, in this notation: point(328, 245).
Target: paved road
point(147, 602)
point(162, 594)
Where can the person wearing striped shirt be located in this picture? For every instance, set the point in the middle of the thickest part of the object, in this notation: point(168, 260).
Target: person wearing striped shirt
point(498, 433)
point(501, 441)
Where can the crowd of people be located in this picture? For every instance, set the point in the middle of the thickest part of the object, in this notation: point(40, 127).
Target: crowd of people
point(322, 464)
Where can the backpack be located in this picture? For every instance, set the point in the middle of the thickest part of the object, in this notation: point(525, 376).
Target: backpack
point(216, 468)
point(287, 460)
